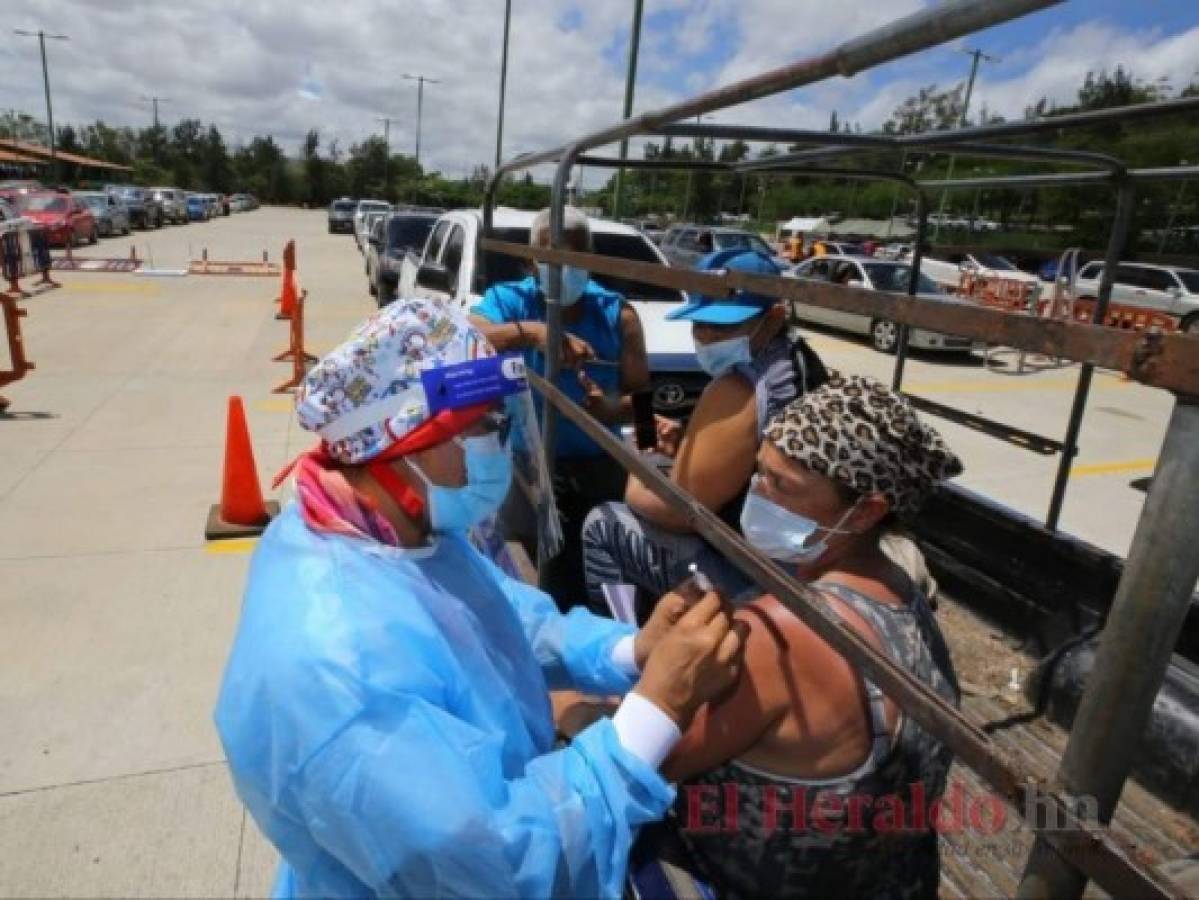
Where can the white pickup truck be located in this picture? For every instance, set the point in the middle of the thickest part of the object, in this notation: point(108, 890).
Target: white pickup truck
point(948, 272)
point(448, 269)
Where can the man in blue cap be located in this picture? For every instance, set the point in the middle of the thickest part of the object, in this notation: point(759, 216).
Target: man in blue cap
point(758, 365)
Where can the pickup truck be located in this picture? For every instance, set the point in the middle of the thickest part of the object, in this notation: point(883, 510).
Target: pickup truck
point(448, 269)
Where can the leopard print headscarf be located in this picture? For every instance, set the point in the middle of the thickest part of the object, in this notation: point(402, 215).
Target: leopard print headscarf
point(856, 431)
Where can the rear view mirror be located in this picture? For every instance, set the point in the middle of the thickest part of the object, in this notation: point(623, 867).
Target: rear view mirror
point(434, 276)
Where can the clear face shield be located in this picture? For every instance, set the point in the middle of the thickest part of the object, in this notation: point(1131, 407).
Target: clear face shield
point(500, 381)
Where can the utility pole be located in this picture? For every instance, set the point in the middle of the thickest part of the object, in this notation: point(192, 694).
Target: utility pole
point(154, 101)
point(629, 85)
point(978, 55)
point(386, 120)
point(499, 127)
point(41, 39)
point(420, 102)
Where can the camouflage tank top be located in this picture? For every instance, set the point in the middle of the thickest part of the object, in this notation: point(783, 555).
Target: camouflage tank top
point(866, 834)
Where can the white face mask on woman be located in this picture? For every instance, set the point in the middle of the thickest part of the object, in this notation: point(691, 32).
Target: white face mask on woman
point(574, 282)
point(781, 534)
point(719, 357)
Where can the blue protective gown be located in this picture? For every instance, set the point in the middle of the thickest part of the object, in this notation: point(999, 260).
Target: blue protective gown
point(387, 723)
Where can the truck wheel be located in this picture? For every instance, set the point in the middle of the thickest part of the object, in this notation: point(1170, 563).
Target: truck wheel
point(884, 335)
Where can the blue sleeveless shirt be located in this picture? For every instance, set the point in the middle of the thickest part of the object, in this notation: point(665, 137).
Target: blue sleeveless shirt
point(599, 326)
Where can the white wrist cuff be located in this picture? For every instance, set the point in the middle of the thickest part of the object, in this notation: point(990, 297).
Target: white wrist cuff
point(624, 656)
point(644, 730)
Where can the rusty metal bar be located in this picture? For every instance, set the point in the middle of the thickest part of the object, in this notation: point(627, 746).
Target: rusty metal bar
point(1064, 179)
point(1134, 650)
point(865, 143)
point(1166, 361)
point(1093, 848)
point(16, 345)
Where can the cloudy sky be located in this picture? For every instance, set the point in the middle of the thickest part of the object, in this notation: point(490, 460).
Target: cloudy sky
point(284, 66)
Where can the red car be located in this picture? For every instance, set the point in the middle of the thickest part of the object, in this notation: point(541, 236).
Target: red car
point(66, 219)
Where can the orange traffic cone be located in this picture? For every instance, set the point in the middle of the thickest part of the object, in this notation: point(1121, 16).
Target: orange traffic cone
point(241, 512)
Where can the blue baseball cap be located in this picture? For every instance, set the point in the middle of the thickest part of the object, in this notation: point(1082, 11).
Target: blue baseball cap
point(737, 308)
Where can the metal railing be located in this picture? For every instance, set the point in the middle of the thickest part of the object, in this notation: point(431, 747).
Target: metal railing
point(1155, 589)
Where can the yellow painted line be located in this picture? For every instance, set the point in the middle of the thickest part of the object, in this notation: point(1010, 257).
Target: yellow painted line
point(111, 287)
point(232, 545)
point(1110, 468)
point(276, 404)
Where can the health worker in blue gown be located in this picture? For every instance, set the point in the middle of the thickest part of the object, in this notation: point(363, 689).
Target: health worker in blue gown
point(385, 708)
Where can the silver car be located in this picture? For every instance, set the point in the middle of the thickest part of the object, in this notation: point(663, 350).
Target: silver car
point(875, 275)
point(174, 204)
point(112, 215)
point(1165, 289)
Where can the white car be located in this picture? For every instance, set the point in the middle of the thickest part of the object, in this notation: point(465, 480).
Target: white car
point(1166, 289)
point(876, 275)
point(363, 225)
point(364, 207)
point(452, 268)
point(948, 272)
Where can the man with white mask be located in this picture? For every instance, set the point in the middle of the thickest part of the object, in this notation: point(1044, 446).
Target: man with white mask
point(604, 364)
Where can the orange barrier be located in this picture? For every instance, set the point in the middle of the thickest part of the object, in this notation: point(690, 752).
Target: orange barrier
point(295, 352)
point(287, 296)
point(241, 512)
point(1129, 318)
point(16, 347)
point(206, 266)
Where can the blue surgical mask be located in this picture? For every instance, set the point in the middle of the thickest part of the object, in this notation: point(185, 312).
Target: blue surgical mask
point(574, 282)
point(488, 477)
point(783, 535)
point(719, 357)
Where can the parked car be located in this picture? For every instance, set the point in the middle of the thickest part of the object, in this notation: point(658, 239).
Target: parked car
point(685, 245)
point(452, 268)
point(112, 217)
point(360, 211)
point(364, 226)
point(948, 271)
point(197, 209)
point(341, 215)
point(8, 212)
point(174, 205)
point(1167, 289)
point(66, 219)
point(144, 210)
point(393, 237)
point(875, 275)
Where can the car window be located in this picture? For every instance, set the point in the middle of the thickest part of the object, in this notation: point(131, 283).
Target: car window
point(437, 241)
point(498, 268)
point(1131, 276)
point(1157, 280)
point(1091, 270)
point(451, 255)
point(896, 278)
point(637, 248)
point(377, 230)
point(408, 232)
point(992, 261)
point(1189, 279)
point(819, 269)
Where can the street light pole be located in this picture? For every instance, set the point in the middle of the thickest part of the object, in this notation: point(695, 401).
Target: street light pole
point(154, 101)
point(629, 85)
point(386, 120)
point(41, 39)
point(978, 55)
point(420, 101)
point(499, 126)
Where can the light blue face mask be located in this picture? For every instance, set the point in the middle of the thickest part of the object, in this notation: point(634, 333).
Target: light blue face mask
point(488, 477)
point(719, 357)
point(574, 282)
point(781, 534)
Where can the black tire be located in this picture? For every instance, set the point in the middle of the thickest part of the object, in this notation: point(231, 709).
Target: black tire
point(95, 236)
point(884, 335)
point(1190, 325)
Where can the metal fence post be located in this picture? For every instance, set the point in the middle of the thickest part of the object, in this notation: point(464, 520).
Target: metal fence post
point(1125, 199)
point(901, 350)
point(1134, 650)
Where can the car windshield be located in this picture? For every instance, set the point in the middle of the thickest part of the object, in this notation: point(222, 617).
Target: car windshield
point(366, 208)
point(345, 206)
point(409, 232)
point(730, 240)
point(95, 202)
point(897, 278)
point(35, 203)
point(991, 261)
point(1189, 279)
point(501, 267)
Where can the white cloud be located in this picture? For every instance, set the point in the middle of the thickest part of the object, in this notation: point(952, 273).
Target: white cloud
point(282, 66)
